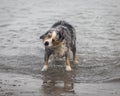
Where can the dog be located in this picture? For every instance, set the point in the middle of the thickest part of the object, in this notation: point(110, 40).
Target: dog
point(58, 41)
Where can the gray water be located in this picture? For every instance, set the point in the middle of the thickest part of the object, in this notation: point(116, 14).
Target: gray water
point(97, 23)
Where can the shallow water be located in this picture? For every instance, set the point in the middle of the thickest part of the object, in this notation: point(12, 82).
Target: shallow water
point(98, 41)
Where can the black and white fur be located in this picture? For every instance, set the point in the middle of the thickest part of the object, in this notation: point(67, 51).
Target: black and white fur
point(58, 41)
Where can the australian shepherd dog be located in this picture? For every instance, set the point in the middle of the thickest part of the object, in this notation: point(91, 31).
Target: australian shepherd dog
point(58, 41)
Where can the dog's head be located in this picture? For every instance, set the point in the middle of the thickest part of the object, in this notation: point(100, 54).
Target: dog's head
point(53, 37)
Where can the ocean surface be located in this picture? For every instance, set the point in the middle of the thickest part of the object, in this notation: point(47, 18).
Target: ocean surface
point(97, 24)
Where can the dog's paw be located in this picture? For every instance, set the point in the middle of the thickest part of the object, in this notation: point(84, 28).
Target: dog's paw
point(68, 68)
point(45, 67)
point(76, 62)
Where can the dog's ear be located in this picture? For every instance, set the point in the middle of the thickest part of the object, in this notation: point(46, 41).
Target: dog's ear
point(61, 34)
point(41, 37)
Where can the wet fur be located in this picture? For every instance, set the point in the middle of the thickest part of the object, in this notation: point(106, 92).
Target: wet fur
point(63, 40)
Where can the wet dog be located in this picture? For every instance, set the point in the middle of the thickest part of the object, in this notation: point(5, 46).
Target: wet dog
point(58, 41)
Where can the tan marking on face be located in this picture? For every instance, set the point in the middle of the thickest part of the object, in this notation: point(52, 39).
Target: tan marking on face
point(54, 42)
point(49, 37)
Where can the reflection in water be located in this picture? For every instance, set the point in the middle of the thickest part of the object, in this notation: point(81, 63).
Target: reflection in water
point(56, 80)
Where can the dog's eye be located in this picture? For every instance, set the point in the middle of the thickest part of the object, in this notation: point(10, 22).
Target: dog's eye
point(49, 35)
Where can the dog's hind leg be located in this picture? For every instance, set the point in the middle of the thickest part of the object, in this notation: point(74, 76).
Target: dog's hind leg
point(73, 49)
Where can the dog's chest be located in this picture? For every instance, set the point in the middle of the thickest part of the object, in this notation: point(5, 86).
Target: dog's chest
point(59, 51)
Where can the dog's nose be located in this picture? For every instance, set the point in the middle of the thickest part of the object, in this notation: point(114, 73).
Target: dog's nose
point(46, 43)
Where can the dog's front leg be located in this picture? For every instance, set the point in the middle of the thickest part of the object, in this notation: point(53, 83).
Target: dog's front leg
point(46, 58)
point(68, 67)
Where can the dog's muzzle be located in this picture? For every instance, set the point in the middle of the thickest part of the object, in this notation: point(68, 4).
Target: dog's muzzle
point(46, 43)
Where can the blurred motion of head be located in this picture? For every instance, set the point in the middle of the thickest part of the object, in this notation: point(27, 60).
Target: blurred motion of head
point(52, 38)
